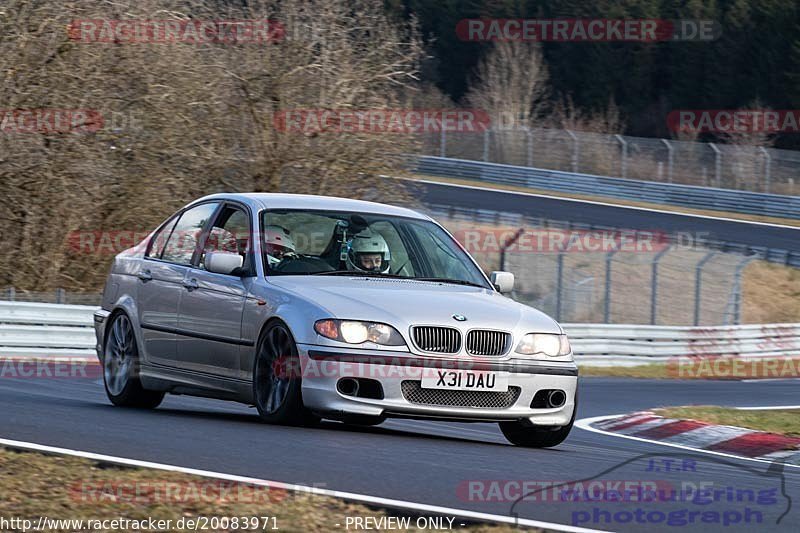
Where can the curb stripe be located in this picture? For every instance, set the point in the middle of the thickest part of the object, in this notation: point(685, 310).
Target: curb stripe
point(756, 444)
point(632, 422)
point(708, 435)
point(671, 429)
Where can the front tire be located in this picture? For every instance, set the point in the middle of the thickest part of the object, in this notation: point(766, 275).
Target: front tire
point(528, 436)
point(121, 368)
point(277, 379)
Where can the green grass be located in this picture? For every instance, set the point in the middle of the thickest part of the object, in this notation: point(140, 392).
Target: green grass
point(785, 422)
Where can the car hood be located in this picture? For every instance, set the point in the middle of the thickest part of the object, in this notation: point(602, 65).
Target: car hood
point(404, 303)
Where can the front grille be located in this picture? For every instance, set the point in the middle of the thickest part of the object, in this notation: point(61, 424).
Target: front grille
point(487, 342)
point(414, 393)
point(437, 339)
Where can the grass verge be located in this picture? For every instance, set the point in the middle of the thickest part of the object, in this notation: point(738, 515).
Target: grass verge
point(34, 485)
point(784, 421)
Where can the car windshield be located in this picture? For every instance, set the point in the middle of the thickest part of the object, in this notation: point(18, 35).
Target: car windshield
point(303, 242)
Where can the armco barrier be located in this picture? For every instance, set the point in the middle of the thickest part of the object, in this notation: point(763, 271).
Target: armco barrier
point(691, 196)
point(34, 329)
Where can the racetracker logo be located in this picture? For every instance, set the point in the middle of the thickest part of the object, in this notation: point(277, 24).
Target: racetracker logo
point(11, 368)
point(493, 240)
point(594, 490)
point(49, 121)
point(586, 30)
point(734, 121)
point(718, 367)
point(176, 31)
point(379, 121)
point(171, 492)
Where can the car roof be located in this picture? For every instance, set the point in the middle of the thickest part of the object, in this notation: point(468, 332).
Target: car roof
point(261, 200)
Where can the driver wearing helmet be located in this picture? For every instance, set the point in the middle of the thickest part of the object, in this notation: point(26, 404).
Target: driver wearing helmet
point(278, 244)
point(368, 252)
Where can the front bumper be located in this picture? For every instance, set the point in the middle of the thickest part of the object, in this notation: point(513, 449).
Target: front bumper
point(323, 367)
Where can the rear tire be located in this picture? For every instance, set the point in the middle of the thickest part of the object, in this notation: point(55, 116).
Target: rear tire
point(528, 436)
point(277, 383)
point(121, 368)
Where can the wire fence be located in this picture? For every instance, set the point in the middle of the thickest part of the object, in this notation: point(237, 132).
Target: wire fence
point(731, 166)
point(641, 282)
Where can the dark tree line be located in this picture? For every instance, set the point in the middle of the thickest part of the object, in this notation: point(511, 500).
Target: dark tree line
point(755, 59)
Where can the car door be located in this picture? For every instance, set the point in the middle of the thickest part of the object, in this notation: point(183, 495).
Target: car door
point(161, 277)
point(212, 304)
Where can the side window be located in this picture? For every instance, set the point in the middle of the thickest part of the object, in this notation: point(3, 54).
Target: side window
point(230, 233)
point(160, 239)
point(183, 241)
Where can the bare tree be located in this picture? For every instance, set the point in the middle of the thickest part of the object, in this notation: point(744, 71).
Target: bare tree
point(184, 119)
point(511, 84)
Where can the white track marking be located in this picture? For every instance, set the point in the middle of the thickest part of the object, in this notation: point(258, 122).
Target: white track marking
point(585, 424)
point(768, 408)
point(362, 498)
point(595, 202)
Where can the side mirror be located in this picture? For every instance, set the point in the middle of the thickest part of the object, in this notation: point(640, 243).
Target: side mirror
point(223, 262)
point(502, 281)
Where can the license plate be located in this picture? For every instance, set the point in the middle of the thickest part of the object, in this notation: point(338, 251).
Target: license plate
point(466, 380)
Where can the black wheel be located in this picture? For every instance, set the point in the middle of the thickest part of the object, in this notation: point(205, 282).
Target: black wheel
point(277, 379)
point(121, 368)
point(528, 436)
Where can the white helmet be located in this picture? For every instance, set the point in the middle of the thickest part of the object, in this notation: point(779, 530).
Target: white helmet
point(278, 242)
point(364, 245)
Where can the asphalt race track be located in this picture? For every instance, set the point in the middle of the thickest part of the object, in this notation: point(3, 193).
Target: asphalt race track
point(428, 462)
point(757, 235)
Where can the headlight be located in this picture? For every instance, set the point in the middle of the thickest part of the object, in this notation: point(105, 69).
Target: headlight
point(357, 332)
point(546, 343)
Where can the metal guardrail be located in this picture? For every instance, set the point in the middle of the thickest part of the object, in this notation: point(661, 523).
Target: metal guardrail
point(627, 345)
point(35, 329)
point(690, 196)
point(29, 329)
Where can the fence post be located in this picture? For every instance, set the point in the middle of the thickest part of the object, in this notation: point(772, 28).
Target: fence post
point(767, 168)
point(623, 158)
point(486, 134)
point(607, 300)
point(443, 143)
point(654, 284)
point(504, 246)
point(60, 296)
point(697, 284)
point(575, 147)
point(670, 159)
point(717, 164)
point(559, 284)
point(736, 290)
point(11, 293)
point(529, 136)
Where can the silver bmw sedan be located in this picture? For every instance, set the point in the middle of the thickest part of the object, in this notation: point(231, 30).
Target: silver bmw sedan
point(312, 307)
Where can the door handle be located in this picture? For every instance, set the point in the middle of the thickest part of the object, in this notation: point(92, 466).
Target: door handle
point(191, 284)
point(144, 275)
